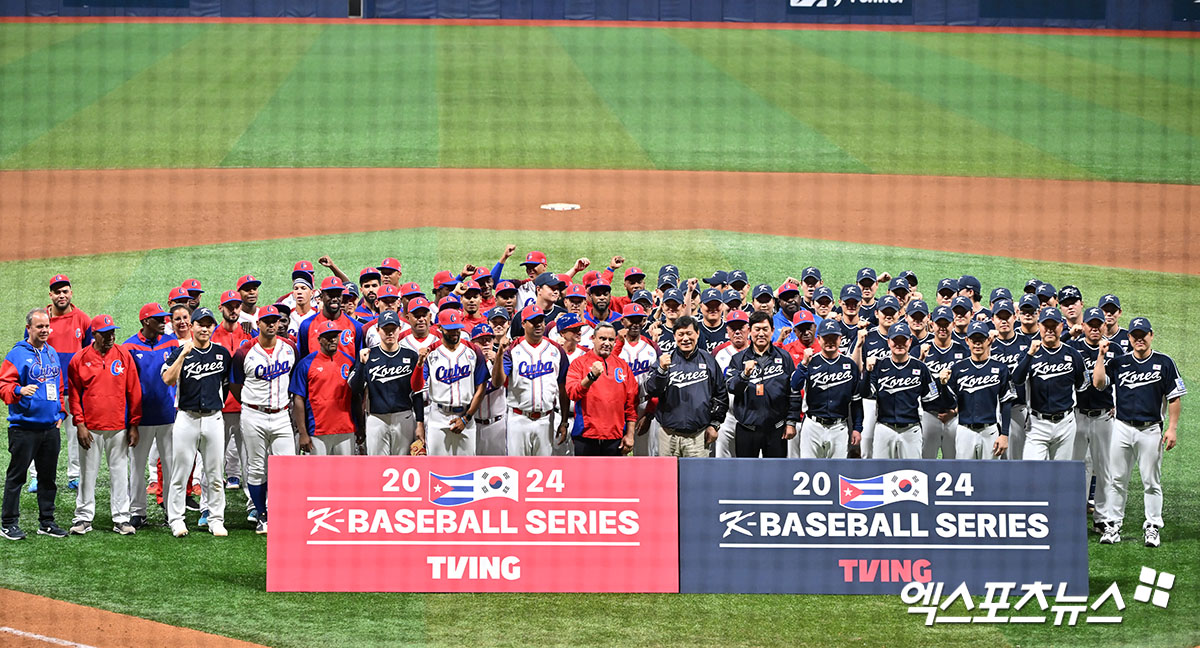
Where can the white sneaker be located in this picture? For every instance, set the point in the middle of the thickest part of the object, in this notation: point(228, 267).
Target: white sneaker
point(217, 528)
point(261, 529)
point(1112, 533)
point(178, 529)
point(1152, 539)
point(80, 527)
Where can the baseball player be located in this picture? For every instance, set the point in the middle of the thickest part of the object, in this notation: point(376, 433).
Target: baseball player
point(830, 385)
point(851, 297)
point(453, 372)
point(788, 298)
point(872, 347)
point(491, 426)
point(712, 324)
point(324, 409)
point(472, 300)
point(737, 324)
point(939, 416)
point(420, 335)
point(232, 335)
point(802, 337)
point(349, 344)
point(946, 292)
point(599, 297)
point(982, 390)
point(1047, 295)
point(641, 354)
point(691, 392)
point(663, 332)
point(388, 299)
point(70, 332)
point(180, 297)
point(867, 282)
point(369, 281)
point(759, 380)
point(570, 327)
point(247, 290)
point(259, 380)
point(1145, 382)
point(810, 280)
point(383, 373)
point(1070, 302)
point(1093, 415)
point(1055, 373)
point(200, 370)
point(1112, 322)
point(961, 308)
point(1008, 347)
point(898, 288)
point(390, 272)
point(149, 349)
point(194, 291)
point(534, 369)
point(899, 383)
point(1028, 308)
point(970, 287)
point(548, 289)
point(916, 315)
point(635, 280)
point(822, 304)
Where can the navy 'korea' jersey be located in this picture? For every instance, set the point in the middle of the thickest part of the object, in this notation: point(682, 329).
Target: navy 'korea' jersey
point(1121, 339)
point(829, 386)
point(1054, 377)
point(849, 338)
point(387, 379)
point(1141, 387)
point(203, 378)
point(1091, 398)
point(710, 339)
point(1010, 353)
point(899, 389)
point(875, 346)
point(978, 390)
point(938, 360)
point(666, 339)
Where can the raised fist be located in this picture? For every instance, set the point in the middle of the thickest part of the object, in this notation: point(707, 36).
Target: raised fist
point(1034, 346)
point(870, 363)
point(748, 368)
point(508, 250)
point(582, 264)
point(597, 368)
point(808, 354)
point(884, 277)
point(925, 349)
point(616, 262)
point(664, 360)
point(325, 261)
point(1103, 346)
point(945, 375)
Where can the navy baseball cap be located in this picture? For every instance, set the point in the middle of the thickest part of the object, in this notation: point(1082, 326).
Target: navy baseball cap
point(568, 321)
point(1046, 291)
point(388, 318)
point(943, 313)
point(851, 291)
point(811, 272)
point(1140, 325)
point(1050, 314)
point(482, 329)
point(967, 282)
point(1029, 300)
point(1069, 293)
point(738, 276)
point(670, 268)
point(829, 327)
point(718, 278)
point(948, 285)
point(667, 281)
point(899, 283)
point(498, 311)
point(674, 295)
point(547, 279)
point(918, 306)
point(762, 289)
point(203, 313)
point(909, 276)
point(866, 274)
point(351, 288)
point(888, 301)
point(643, 295)
point(730, 296)
point(962, 302)
point(998, 294)
point(1110, 300)
point(711, 295)
point(1003, 306)
point(1093, 314)
point(1031, 286)
point(823, 291)
point(899, 329)
point(978, 328)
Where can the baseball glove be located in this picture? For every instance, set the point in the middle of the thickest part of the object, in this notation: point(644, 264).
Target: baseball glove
point(417, 449)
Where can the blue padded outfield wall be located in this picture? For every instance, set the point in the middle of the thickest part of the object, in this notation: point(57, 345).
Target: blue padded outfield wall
point(1098, 14)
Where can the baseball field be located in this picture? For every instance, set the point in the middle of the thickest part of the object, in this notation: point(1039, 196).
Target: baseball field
point(136, 155)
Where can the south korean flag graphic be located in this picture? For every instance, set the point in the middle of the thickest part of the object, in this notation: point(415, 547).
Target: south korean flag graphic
point(888, 488)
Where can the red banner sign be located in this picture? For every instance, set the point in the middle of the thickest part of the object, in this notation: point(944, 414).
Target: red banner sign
point(473, 524)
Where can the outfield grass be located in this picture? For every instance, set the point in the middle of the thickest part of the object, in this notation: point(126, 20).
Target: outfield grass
point(218, 585)
point(208, 95)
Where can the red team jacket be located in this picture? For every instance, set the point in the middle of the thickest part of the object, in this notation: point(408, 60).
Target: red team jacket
point(105, 393)
point(609, 403)
point(322, 382)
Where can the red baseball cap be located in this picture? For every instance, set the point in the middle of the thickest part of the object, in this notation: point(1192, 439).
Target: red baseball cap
point(268, 311)
point(177, 294)
point(193, 287)
point(152, 310)
point(389, 264)
point(303, 266)
point(530, 312)
point(418, 303)
point(246, 280)
point(388, 290)
point(590, 278)
point(59, 279)
point(575, 290)
point(471, 284)
point(332, 283)
point(634, 272)
point(329, 327)
point(230, 296)
point(633, 310)
point(103, 323)
point(482, 329)
point(369, 272)
point(451, 302)
point(564, 280)
point(534, 258)
point(737, 316)
point(444, 278)
point(600, 283)
point(450, 319)
point(505, 286)
point(481, 272)
point(787, 287)
point(411, 289)
point(803, 316)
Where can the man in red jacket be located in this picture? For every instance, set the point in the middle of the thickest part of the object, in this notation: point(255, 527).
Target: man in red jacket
point(106, 405)
point(605, 394)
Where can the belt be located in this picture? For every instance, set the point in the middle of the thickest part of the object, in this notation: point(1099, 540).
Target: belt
point(1140, 425)
point(1052, 418)
point(446, 409)
point(532, 416)
point(489, 421)
point(826, 422)
point(901, 427)
point(976, 427)
point(1093, 413)
point(678, 432)
point(267, 410)
point(202, 412)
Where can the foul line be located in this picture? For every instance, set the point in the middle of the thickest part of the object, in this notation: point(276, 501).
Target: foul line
point(44, 638)
point(992, 503)
point(784, 502)
point(364, 499)
point(748, 545)
point(476, 543)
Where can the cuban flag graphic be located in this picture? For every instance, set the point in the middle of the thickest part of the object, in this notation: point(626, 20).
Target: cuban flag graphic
point(485, 483)
point(888, 488)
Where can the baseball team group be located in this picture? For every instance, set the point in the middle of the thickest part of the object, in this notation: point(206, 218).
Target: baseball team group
point(204, 390)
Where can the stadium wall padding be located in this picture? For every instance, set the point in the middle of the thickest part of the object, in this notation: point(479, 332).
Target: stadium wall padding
point(1089, 14)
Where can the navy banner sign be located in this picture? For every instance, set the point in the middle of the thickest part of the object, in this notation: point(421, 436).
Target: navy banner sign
point(786, 526)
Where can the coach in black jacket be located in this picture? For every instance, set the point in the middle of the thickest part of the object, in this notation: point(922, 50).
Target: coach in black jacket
point(692, 399)
point(760, 381)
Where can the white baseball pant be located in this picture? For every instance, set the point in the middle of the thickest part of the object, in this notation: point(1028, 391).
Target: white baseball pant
point(971, 444)
point(1130, 444)
point(189, 431)
point(819, 441)
point(235, 451)
point(264, 434)
point(149, 436)
point(1017, 429)
point(1050, 440)
point(896, 443)
point(154, 457)
point(530, 438)
point(491, 436)
point(867, 438)
point(724, 447)
point(440, 441)
point(392, 433)
point(646, 445)
point(110, 444)
point(936, 434)
point(1096, 433)
point(340, 445)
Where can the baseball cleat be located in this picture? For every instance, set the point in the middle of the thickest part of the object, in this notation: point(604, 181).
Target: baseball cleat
point(217, 529)
point(33, 485)
point(52, 530)
point(12, 532)
point(137, 521)
point(80, 528)
point(179, 530)
point(1098, 528)
point(1152, 538)
point(233, 483)
point(203, 520)
point(261, 528)
point(1112, 534)
point(124, 528)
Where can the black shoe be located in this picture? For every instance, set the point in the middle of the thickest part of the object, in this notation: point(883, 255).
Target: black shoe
point(192, 503)
point(12, 532)
point(52, 530)
point(138, 521)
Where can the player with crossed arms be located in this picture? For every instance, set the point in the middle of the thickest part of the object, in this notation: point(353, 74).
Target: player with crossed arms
point(535, 371)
